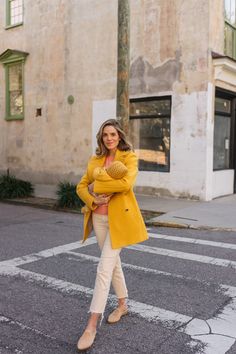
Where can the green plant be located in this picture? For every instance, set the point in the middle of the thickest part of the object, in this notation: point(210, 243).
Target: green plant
point(12, 187)
point(67, 197)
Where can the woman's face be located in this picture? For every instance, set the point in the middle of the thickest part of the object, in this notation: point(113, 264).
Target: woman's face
point(110, 138)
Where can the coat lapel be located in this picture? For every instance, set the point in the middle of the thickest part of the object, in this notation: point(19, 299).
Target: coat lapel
point(120, 155)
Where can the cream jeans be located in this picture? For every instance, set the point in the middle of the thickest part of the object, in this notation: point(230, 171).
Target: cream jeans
point(109, 267)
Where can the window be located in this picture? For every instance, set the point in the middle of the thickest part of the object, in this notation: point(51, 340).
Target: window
point(15, 90)
point(230, 28)
point(223, 132)
point(14, 13)
point(14, 69)
point(150, 132)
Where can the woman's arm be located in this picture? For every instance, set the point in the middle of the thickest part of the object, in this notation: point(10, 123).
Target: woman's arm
point(83, 192)
point(106, 184)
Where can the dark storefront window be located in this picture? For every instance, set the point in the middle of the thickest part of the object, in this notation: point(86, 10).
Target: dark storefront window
point(223, 134)
point(150, 132)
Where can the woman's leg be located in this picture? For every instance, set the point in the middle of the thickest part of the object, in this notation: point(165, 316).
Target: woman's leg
point(102, 283)
point(105, 270)
point(100, 229)
point(118, 283)
point(118, 279)
point(106, 266)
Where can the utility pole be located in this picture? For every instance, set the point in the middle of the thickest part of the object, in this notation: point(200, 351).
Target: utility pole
point(123, 64)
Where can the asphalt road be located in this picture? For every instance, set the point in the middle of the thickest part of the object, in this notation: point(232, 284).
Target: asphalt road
point(182, 288)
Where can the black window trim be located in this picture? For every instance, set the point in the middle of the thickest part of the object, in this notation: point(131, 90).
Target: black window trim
point(151, 98)
point(225, 94)
point(162, 116)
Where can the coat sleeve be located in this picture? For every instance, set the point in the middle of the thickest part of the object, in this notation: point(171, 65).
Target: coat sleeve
point(83, 193)
point(106, 184)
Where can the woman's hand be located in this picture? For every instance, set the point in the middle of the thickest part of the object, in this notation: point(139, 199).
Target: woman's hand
point(90, 188)
point(102, 199)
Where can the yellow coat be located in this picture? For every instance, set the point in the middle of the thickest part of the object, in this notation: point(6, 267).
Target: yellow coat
point(126, 224)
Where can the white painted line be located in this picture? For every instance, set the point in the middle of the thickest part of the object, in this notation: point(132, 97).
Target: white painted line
point(7, 320)
point(227, 289)
point(225, 323)
point(53, 283)
point(184, 255)
point(47, 253)
point(194, 240)
point(94, 259)
point(125, 265)
point(148, 312)
point(219, 333)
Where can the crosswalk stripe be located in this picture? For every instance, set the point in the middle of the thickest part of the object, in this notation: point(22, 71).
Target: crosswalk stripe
point(193, 240)
point(143, 248)
point(94, 259)
point(230, 290)
point(34, 257)
point(183, 255)
point(149, 312)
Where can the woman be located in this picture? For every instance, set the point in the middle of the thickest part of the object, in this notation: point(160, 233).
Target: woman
point(112, 211)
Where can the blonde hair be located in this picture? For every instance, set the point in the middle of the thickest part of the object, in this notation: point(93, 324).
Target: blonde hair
point(124, 144)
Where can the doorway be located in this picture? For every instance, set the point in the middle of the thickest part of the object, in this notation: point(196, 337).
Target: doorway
point(225, 132)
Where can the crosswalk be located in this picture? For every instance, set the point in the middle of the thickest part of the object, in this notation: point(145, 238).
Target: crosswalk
point(217, 333)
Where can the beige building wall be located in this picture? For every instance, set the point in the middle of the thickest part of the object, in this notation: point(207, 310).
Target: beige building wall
point(72, 51)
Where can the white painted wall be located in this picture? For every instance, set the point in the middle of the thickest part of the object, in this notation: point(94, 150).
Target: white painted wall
point(187, 176)
point(223, 183)
point(209, 141)
point(188, 149)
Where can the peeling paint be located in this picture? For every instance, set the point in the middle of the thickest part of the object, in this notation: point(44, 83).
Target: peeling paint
point(144, 78)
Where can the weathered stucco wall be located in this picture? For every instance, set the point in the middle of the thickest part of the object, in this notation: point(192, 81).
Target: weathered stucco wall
point(216, 26)
point(72, 51)
point(175, 60)
point(175, 55)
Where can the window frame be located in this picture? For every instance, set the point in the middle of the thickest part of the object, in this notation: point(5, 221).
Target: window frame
point(228, 24)
point(224, 94)
point(233, 54)
point(8, 58)
point(8, 115)
point(8, 15)
point(161, 116)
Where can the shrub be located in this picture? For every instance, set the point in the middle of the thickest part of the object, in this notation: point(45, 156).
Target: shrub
point(67, 197)
point(12, 187)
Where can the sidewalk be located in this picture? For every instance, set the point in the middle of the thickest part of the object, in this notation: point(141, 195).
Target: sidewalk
point(219, 214)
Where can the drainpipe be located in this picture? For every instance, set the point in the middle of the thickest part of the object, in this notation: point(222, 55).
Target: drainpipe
point(123, 64)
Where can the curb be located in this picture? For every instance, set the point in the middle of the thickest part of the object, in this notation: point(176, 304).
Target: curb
point(187, 226)
point(168, 224)
point(50, 205)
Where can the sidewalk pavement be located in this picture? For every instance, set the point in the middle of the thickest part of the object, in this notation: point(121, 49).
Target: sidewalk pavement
point(218, 214)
